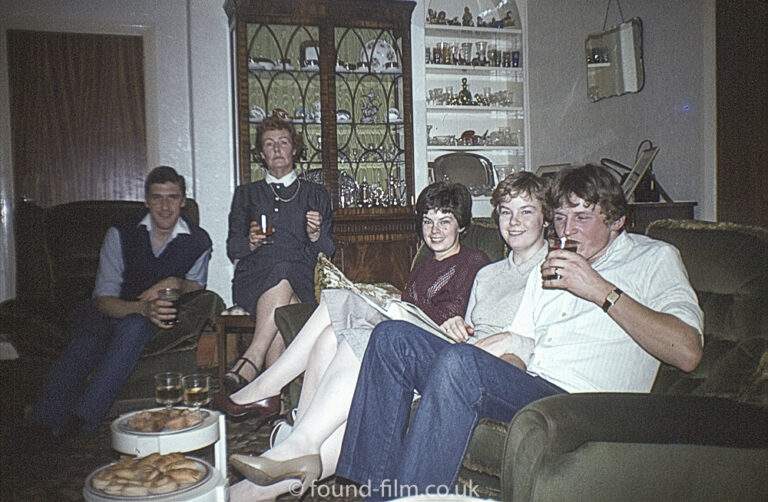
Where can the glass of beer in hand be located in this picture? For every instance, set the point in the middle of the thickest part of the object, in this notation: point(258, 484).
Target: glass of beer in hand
point(266, 229)
point(561, 243)
point(168, 388)
point(170, 295)
point(197, 390)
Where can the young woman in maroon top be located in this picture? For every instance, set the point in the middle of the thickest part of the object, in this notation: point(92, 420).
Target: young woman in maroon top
point(330, 346)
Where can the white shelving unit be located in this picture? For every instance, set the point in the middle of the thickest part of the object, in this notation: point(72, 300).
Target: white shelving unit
point(502, 121)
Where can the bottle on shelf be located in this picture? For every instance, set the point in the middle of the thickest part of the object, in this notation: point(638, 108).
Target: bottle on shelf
point(464, 97)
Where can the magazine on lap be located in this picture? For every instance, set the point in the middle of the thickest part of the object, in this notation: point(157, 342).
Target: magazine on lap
point(400, 310)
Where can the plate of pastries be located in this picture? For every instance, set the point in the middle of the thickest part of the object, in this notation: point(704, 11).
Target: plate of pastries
point(162, 420)
point(155, 475)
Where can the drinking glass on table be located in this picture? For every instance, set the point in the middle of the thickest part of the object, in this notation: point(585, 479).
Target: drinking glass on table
point(561, 243)
point(168, 388)
point(197, 390)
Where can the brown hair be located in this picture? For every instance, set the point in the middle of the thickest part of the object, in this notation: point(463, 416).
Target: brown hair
point(164, 174)
point(451, 198)
point(522, 183)
point(277, 124)
point(594, 185)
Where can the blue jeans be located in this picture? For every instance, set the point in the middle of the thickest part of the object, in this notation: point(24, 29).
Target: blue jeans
point(459, 384)
point(102, 348)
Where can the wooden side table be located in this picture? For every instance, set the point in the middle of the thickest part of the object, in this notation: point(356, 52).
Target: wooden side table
point(226, 323)
point(641, 214)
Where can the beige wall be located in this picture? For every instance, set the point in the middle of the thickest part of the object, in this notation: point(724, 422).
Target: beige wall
point(675, 109)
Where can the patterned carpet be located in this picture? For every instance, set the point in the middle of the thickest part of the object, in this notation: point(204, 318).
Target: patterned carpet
point(85, 453)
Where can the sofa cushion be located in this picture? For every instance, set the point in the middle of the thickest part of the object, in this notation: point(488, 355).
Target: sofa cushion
point(290, 319)
point(727, 265)
point(328, 276)
point(481, 466)
point(195, 310)
point(739, 374)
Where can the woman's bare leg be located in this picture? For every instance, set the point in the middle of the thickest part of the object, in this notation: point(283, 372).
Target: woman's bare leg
point(293, 361)
point(275, 350)
point(319, 428)
point(323, 354)
point(265, 331)
point(326, 412)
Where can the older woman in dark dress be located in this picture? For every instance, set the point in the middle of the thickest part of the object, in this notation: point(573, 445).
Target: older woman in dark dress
point(275, 270)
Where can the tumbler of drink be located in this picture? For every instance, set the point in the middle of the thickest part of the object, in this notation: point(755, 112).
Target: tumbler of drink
point(266, 229)
point(168, 388)
point(170, 295)
point(197, 390)
point(561, 243)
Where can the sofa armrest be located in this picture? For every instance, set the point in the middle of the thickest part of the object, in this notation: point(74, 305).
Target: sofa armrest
point(291, 318)
point(196, 310)
point(567, 443)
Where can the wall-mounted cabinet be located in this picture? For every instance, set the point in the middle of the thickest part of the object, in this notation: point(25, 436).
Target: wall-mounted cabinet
point(340, 71)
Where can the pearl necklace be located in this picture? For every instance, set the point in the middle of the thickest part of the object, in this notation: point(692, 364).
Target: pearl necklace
point(298, 180)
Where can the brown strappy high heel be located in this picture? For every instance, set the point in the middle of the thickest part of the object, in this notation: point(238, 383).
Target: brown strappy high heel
point(233, 380)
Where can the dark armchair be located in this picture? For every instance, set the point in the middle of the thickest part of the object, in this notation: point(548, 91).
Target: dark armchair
point(57, 254)
point(697, 436)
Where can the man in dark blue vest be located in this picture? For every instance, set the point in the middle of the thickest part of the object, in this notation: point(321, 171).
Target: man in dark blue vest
point(109, 331)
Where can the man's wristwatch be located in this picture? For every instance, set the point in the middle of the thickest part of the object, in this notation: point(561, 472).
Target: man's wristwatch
point(612, 297)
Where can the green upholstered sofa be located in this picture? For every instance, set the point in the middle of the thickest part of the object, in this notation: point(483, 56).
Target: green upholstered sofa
point(697, 436)
point(57, 254)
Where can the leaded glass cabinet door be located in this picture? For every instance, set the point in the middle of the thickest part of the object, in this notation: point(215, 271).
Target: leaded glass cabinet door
point(284, 80)
point(370, 128)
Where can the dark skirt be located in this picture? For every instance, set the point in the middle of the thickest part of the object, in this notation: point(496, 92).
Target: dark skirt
point(253, 277)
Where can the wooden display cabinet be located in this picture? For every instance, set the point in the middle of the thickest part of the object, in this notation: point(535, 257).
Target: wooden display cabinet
point(304, 60)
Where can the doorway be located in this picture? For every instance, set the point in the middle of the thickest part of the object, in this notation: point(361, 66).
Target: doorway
point(742, 80)
point(78, 122)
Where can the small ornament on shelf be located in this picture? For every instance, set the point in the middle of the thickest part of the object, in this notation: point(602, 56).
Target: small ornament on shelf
point(508, 20)
point(466, 19)
point(434, 17)
point(464, 97)
point(370, 109)
point(364, 199)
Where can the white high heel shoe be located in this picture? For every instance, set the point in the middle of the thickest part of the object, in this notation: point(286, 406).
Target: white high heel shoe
point(281, 430)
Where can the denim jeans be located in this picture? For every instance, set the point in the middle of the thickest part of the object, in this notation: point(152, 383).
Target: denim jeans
point(458, 383)
point(102, 348)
